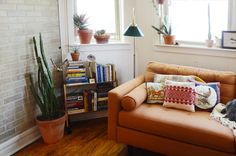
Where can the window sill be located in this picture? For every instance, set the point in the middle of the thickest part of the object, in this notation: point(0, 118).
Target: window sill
point(196, 50)
point(101, 47)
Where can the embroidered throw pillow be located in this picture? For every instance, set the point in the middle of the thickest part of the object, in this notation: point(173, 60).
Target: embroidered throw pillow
point(161, 78)
point(155, 92)
point(198, 79)
point(207, 95)
point(180, 95)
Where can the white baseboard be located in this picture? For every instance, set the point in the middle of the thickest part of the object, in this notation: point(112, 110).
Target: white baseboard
point(18, 142)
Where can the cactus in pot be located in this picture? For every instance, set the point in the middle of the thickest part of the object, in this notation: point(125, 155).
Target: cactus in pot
point(51, 121)
point(101, 36)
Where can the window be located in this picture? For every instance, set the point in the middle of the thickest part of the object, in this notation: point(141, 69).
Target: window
point(189, 18)
point(103, 14)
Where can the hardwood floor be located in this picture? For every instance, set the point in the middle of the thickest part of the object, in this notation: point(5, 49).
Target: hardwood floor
point(88, 138)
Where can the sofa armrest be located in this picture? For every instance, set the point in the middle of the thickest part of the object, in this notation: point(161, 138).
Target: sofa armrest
point(114, 103)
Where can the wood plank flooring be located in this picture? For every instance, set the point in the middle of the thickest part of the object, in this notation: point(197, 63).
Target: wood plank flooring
point(88, 138)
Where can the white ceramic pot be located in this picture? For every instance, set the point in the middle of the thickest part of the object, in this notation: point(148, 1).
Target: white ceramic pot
point(209, 43)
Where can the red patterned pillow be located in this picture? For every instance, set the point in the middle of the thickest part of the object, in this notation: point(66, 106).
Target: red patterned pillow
point(179, 95)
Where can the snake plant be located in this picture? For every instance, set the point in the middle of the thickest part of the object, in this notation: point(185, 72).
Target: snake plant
point(43, 90)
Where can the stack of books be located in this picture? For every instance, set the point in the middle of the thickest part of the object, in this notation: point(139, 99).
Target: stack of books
point(75, 101)
point(102, 95)
point(90, 100)
point(105, 73)
point(76, 73)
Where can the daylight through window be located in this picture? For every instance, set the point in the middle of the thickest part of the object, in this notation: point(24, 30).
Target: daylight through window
point(189, 18)
point(103, 14)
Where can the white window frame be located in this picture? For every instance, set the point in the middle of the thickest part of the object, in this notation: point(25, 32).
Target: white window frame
point(66, 12)
point(71, 10)
point(231, 21)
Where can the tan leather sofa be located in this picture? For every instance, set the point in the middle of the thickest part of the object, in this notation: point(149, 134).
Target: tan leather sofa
point(166, 130)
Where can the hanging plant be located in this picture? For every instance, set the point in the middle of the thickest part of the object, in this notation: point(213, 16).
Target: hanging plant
point(157, 4)
point(160, 1)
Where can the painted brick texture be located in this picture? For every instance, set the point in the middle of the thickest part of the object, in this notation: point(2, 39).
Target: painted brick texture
point(20, 20)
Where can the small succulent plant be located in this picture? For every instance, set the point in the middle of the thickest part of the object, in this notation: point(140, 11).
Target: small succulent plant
point(101, 36)
point(75, 49)
point(81, 21)
point(100, 32)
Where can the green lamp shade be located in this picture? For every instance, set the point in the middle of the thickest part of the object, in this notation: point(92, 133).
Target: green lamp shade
point(134, 31)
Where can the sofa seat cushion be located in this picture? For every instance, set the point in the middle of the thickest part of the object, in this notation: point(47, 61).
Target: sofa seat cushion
point(190, 127)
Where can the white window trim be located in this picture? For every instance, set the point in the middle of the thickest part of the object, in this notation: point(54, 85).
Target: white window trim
point(70, 13)
point(232, 15)
point(231, 22)
point(66, 10)
point(71, 4)
point(196, 50)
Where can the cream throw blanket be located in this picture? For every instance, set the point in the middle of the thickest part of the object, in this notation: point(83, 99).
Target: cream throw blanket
point(218, 116)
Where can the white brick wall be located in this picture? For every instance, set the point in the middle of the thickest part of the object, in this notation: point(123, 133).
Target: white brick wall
point(20, 20)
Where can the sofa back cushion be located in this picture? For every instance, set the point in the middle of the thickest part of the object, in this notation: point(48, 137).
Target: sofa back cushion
point(227, 79)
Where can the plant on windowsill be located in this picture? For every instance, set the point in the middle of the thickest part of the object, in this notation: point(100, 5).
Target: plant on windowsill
point(101, 36)
point(75, 54)
point(51, 121)
point(81, 22)
point(166, 31)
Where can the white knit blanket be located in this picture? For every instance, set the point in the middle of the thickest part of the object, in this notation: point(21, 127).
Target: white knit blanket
point(218, 116)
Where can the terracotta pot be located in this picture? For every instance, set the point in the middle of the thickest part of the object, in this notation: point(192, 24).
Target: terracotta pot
point(52, 131)
point(102, 39)
point(75, 56)
point(160, 1)
point(169, 39)
point(85, 36)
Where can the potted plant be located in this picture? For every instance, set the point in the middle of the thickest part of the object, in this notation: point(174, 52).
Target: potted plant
point(51, 121)
point(75, 54)
point(160, 1)
point(166, 31)
point(81, 22)
point(101, 36)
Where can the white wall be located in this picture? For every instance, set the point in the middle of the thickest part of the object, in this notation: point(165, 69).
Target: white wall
point(119, 54)
point(20, 20)
point(146, 51)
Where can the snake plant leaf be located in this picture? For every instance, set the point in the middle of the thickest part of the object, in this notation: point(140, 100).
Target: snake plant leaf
point(159, 31)
point(44, 59)
point(44, 90)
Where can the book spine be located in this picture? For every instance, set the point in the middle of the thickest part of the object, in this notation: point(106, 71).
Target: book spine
point(98, 74)
point(110, 72)
point(94, 100)
point(102, 94)
point(113, 78)
point(79, 105)
point(85, 94)
point(76, 81)
point(71, 71)
point(76, 75)
point(101, 73)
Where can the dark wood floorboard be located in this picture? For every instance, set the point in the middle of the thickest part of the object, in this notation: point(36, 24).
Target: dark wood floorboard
point(88, 138)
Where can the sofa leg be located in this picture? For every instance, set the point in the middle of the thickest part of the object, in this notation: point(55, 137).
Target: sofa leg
point(130, 150)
